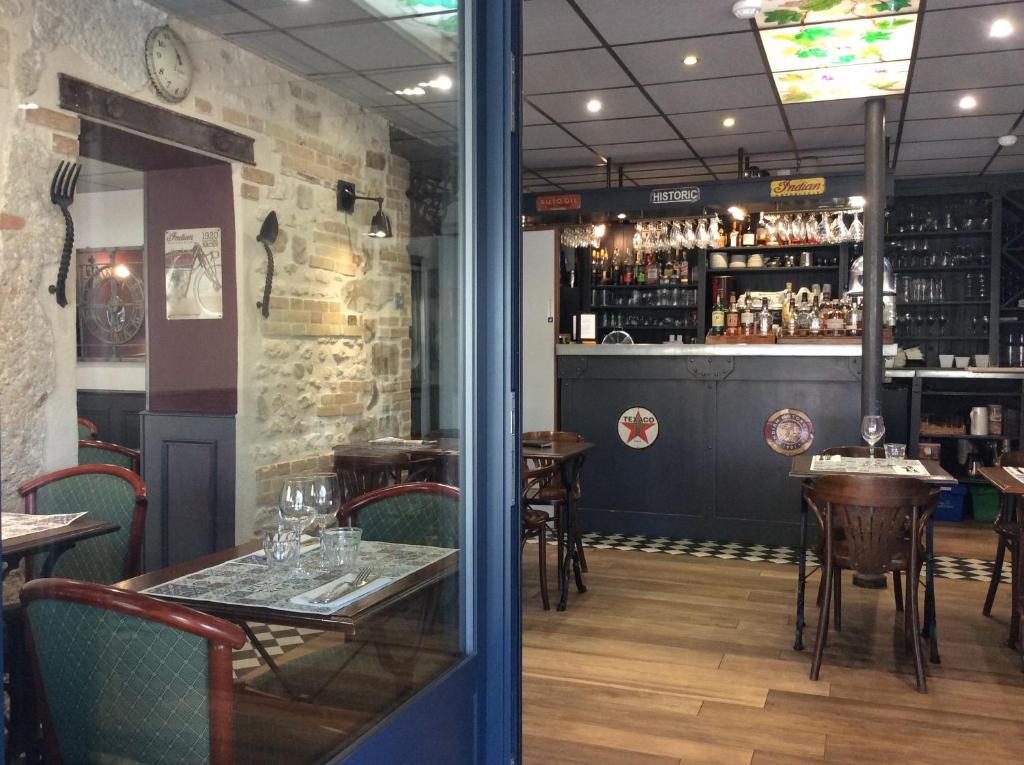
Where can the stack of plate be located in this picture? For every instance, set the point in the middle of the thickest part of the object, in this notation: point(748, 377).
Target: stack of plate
point(756, 260)
point(717, 260)
point(738, 261)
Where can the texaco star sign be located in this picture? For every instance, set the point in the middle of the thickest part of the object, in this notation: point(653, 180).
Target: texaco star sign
point(638, 427)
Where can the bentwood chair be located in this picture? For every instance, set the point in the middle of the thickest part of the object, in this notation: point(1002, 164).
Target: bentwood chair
point(87, 430)
point(535, 522)
point(554, 493)
point(360, 474)
point(92, 452)
point(1007, 527)
point(122, 677)
point(107, 493)
point(410, 513)
point(883, 521)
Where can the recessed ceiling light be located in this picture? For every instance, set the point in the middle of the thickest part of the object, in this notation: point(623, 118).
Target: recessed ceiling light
point(594, 106)
point(1000, 28)
point(690, 60)
point(856, 202)
point(967, 102)
point(1007, 140)
point(728, 122)
point(621, 216)
point(417, 91)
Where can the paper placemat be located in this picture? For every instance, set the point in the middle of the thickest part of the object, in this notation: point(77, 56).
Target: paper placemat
point(1016, 473)
point(247, 581)
point(822, 463)
point(14, 525)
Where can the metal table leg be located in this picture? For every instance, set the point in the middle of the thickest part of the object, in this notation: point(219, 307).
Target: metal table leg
point(570, 469)
point(801, 562)
point(930, 622)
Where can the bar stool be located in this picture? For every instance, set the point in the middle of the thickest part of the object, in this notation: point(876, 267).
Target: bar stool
point(535, 522)
point(554, 493)
point(1007, 527)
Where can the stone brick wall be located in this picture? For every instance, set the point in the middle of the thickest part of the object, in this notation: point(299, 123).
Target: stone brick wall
point(332, 363)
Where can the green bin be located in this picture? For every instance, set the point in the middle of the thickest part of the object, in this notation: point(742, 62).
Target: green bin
point(985, 503)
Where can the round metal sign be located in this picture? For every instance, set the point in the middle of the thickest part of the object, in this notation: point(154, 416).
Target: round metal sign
point(789, 432)
point(638, 427)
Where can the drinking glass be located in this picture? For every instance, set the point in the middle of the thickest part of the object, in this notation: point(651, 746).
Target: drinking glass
point(298, 507)
point(872, 428)
point(326, 499)
point(895, 453)
point(342, 547)
point(279, 539)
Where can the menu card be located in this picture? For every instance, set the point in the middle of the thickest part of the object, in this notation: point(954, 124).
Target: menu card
point(1016, 473)
point(21, 524)
point(834, 463)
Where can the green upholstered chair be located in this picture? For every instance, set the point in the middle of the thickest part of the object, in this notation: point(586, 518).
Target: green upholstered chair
point(409, 513)
point(123, 677)
point(87, 429)
point(92, 452)
point(105, 492)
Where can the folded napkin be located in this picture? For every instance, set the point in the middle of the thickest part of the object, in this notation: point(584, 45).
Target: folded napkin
point(307, 598)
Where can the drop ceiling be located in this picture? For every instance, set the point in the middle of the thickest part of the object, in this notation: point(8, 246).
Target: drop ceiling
point(661, 121)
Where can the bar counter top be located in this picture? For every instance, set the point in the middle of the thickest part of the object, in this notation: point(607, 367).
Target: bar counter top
point(682, 349)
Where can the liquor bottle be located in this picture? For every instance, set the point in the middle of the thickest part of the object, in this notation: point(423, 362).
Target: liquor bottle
point(718, 316)
point(854, 319)
point(627, 269)
point(732, 317)
point(764, 319)
point(653, 271)
point(762, 231)
point(790, 326)
point(803, 318)
point(749, 237)
point(816, 322)
point(747, 317)
point(787, 301)
point(734, 235)
point(834, 320)
point(683, 269)
point(639, 270)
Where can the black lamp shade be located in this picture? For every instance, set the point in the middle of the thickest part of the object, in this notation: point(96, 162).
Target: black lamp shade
point(380, 225)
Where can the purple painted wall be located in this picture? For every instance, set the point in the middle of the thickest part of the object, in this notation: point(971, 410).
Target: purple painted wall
point(192, 362)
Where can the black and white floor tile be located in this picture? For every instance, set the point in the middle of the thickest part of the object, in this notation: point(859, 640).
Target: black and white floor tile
point(277, 639)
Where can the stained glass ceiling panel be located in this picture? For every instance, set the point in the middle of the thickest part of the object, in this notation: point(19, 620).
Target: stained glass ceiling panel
point(840, 43)
point(776, 13)
point(853, 81)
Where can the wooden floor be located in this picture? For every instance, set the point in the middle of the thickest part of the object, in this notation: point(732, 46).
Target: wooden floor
point(676, 659)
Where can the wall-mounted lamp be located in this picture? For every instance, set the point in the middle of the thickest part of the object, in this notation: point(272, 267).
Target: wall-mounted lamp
point(380, 224)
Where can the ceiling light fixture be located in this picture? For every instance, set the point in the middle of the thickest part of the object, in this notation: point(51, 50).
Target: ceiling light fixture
point(856, 202)
point(599, 231)
point(28, 105)
point(594, 106)
point(121, 271)
point(690, 60)
point(967, 102)
point(621, 216)
point(737, 213)
point(1006, 141)
point(1000, 28)
point(746, 9)
point(380, 224)
point(729, 122)
point(417, 91)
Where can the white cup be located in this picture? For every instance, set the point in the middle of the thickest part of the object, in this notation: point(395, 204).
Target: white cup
point(946, 360)
point(981, 360)
point(962, 362)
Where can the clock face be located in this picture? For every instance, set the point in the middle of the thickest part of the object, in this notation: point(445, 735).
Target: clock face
point(168, 64)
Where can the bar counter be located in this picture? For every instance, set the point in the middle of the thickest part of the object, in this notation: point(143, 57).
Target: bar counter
point(709, 473)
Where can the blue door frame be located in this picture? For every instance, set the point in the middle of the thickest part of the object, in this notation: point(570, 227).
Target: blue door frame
point(471, 714)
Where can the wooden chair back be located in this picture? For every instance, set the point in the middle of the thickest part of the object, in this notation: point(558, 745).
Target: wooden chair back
point(123, 677)
point(105, 492)
point(409, 513)
point(92, 452)
point(1012, 459)
point(361, 474)
point(878, 516)
point(87, 430)
point(553, 490)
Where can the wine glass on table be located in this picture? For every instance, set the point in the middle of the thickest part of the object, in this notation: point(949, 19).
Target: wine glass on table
point(872, 429)
point(298, 507)
point(327, 501)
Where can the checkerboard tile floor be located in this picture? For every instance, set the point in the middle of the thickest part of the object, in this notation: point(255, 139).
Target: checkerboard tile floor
point(278, 639)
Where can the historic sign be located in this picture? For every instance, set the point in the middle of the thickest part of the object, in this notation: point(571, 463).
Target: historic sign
point(555, 202)
point(789, 432)
point(638, 427)
point(686, 195)
point(798, 187)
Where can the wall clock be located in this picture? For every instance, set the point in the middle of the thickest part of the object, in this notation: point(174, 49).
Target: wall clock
point(168, 64)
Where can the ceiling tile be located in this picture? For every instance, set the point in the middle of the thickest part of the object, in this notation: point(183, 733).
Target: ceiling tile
point(550, 25)
point(287, 13)
point(622, 131)
point(965, 30)
point(570, 157)
point(641, 20)
point(962, 127)
point(949, 166)
point(752, 143)
point(941, 4)
point(1003, 100)
point(829, 138)
point(414, 119)
point(616, 102)
point(725, 56)
point(380, 45)
point(233, 22)
point(399, 79)
point(1006, 164)
point(579, 70)
point(832, 113)
point(546, 137)
point(965, 72)
point(448, 111)
point(972, 147)
point(706, 95)
point(290, 53)
point(644, 152)
point(707, 124)
point(361, 91)
point(533, 117)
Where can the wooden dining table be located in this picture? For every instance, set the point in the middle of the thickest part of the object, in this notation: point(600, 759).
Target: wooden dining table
point(1012, 489)
point(53, 542)
point(569, 457)
point(801, 468)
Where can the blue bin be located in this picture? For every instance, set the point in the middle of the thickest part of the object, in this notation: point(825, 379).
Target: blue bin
point(951, 503)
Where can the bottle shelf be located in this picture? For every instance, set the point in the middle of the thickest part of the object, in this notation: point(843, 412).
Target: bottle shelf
point(687, 286)
point(939, 269)
point(764, 248)
point(921, 303)
point(944, 338)
point(770, 270)
point(644, 307)
point(926, 234)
